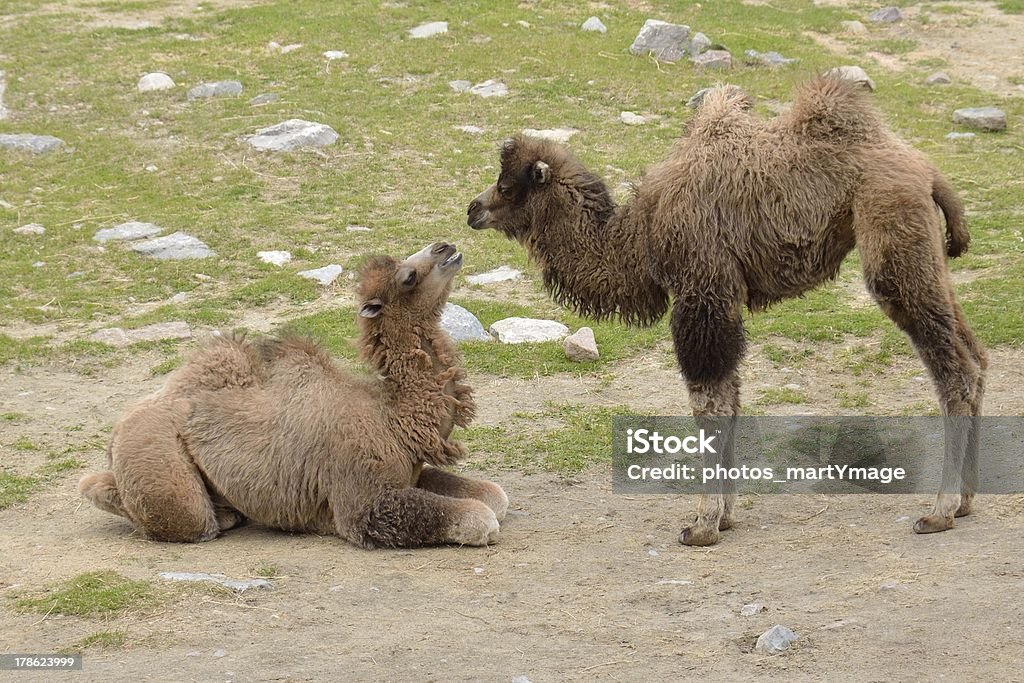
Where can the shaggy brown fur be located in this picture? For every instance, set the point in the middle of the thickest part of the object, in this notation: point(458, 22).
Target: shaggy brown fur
point(275, 432)
point(747, 212)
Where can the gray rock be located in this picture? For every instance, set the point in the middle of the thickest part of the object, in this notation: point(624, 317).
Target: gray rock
point(490, 88)
point(960, 136)
point(460, 85)
point(472, 130)
point(772, 59)
point(560, 135)
point(752, 609)
point(854, 27)
point(982, 118)
point(938, 78)
point(888, 585)
point(238, 585)
point(581, 346)
point(25, 142)
point(699, 43)
point(427, 30)
point(173, 247)
point(667, 42)
point(155, 81)
point(115, 336)
point(220, 653)
point(631, 118)
point(274, 46)
point(713, 59)
point(293, 134)
point(499, 274)
point(264, 98)
point(274, 258)
point(461, 325)
point(886, 15)
point(854, 74)
point(357, 228)
point(325, 275)
point(218, 89)
point(3, 88)
point(697, 98)
point(30, 229)
point(520, 679)
point(594, 25)
point(775, 640)
point(132, 230)
point(332, 55)
point(520, 330)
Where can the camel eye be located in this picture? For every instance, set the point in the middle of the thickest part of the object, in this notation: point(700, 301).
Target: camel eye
point(410, 279)
point(506, 191)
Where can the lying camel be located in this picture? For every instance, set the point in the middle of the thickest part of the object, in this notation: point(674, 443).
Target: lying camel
point(276, 433)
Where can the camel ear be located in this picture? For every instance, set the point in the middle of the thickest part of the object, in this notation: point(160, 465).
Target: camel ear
point(371, 309)
point(541, 173)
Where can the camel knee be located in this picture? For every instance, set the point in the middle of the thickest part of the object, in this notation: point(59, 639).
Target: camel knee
point(708, 338)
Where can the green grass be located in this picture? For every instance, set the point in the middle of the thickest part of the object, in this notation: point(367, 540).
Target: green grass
point(90, 594)
point(774, 397)
point(1011, 6)
point(15, 488)
point(100, 640)
point(266, 570)
point(892, 46)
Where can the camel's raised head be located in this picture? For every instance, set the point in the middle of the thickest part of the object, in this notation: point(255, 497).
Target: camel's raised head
point(528, 167)
point(412, 289)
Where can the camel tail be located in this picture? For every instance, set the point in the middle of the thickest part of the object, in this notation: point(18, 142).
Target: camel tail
point(957, 237)
point(101, 489)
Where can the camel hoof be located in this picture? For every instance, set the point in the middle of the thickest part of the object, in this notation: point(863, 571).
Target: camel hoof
point(930, 524)
point(963, 510)
point(725, 524)
point(477, 528)
point(698, 535)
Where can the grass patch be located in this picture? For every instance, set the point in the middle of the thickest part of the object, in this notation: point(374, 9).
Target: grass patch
point(101, 640)
point(16, 489)
point(856, 399)
point(15, 418)
point(892, 46)
point(266, 570)
point(89, 594)
point(774, 397)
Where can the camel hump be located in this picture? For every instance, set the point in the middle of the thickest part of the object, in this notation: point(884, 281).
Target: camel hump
point(830, 107)
point(721, 109)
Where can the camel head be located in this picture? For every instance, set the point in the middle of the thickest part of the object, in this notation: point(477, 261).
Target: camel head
point(411, 291)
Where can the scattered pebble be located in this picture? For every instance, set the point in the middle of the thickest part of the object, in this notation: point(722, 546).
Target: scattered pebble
point(238, 585)
point(499, 274)
point(325, 275)
point(632, 119)
point(581, 346)
point(752, 608)
point(854, 27)
point(521, 679)
point(674, 582)
point(427, 30)
point(595, 25)
point(264, 98)
point(713, 59)
point(887, 586)
point(274, 258)
point(772, 59)
point(155, 81)
point(116, 336)
point(30, 229)
point(283, 49)
point(39, 264)
point(560, 135)
point(938, 78)
point(775, 640)
point(150, 168)
point(472, 130)
point(853, 73)
point(291, 135)
point(125, 232)
point(331, 55)
point(461, 325)
point(666, 42)
point(983, 118)
point(652, 552)
point(26, 142)
point(523, 23)
point(219, 653)
point(173, 247)
point(519, 330)
point(886, 15)
point(218, 89)
point(460, 85)
point(357, 228)
point(490, 88)
point(959, 136)
point(478, 570)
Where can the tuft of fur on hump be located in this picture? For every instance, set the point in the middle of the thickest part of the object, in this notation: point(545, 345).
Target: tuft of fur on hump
point(832, 109)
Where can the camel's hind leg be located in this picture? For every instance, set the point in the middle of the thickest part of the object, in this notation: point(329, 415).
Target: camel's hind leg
point(410, 517)
point(161, 490)
point(905, 270)
point(448, 484)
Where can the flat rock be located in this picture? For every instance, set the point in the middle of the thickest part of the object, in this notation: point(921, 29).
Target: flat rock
point(490, 88)
point(115, 336)
point(155, 81)
point(982, 118)
point(3, 88)
point(325, 275)
point(173, 247)
point(713, 59)
point(960, 136)
point(499, 274)
point(30, 229)
point(772, 59)
point(218, 89)
point(357, 228)
point(26, 142)
point(581, 346)
point(520, 330)
point(666, 42)
point(132, 230)
point(775, 640)
point(886, 15)
point(631, 119)
point(938, 78)
point(291, 135)
point(594, 25)
point(429, 29)
point(472, 130)
point(264, 98)
point(240, 585)
point(854, 27)
point(460, 85)
point(752, 609)
point(461, 325)
point(852, 73)
point(274, 258)
point(560, 135)
point(331, 55)
point(699, 43)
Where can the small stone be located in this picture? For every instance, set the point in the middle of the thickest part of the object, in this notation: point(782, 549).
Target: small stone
point(792, 386)
point(472, 130)
point(179, 298)
point(772, 59)
point(632, 119)
point(291, 135)
point(888, 586)
point(39, 264)
point(125, 232)
point(173, 247)
point(427, 30)
point(325, 275)
point(460, 85)
point(699, 43)
point(155, 81)
point(461, 325)
point(283, 49)
point(595, 25)
point(713, 59)
point(938, 78)
point(521, 679)
point(219, 653)
point(274, 258)
point(357, 228)
point(239, 585)
point(264, 98)
point(775, 640)
point(752, 608)
point(982, 118)
point(854, 27)
point(26, 142)
point(150, 168)
point(218, 89)
point(666, 42)
point(30, 229)
point(490, 88)
point(581, 346)
point(331, 55)
point(499, 274)
point(560, 135)
point(523, 23)
point(852, 73)
point(886, 15)
point(519, 330)
point(194, 653)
